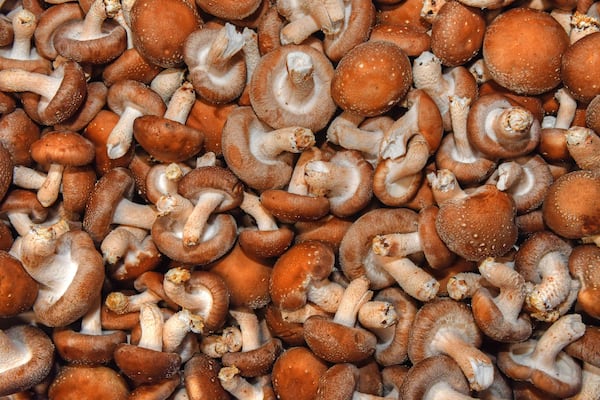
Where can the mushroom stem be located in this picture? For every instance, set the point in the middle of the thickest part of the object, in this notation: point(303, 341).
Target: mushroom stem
point(462, 285)
point(325, 294)
point(91, 322)
point(251, 52)
point(326, 178)
point(582, 25)
point(99, 11)
point(567, 106)
point(37, 248)
point(252, 206)
point(584, 146)
point(414, 280)
point(511, 284)
point(293, 139)
point(167, 82)
point(555, 283)
point(237, 386)
point(226, 44)
point(151, 324)
point(250, 328)
point(445, 186)
point(48, 192)
point(120, 137)
point(345, 132)
point(355, 295)
point(181, 103)
point(120, 241)
point(410, 163)
point(564, 331)
point(129, 213)
point(377, 315)
point(20, 80)
point(509, 124)
point(120, 303)
point(300, 71)
point(508, 174)
point(28, 178)
point(194, 227)
point(397, 244)
point(177, 327)
point(459, 110)
point(475, 364)
point(24, 23)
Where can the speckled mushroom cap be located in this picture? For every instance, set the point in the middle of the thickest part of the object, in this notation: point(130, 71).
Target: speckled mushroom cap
point(479, 225)
point(63, 147)
point(580, 69)
point(257, 362)
point(296, 374)
point(18, 290)
point(510, 42)
point(592, 114)
point(371, 78)
point(77, 382)
point(213, 178)
point(584, 264)
point(571, 208)
point(6, 167)
point(162, 43)
point(340, 381)
point(22, 371)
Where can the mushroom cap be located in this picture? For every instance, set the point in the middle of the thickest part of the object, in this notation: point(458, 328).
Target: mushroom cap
point(424, 375)
point(17, 132)
point(580, 68)
point(337, 343)
point(229, 9)
point(130, 65)
point(84, 349)
point(63, 147)
point(592, 114)
point(162, 43)
point(48, 21)
point(440, 315)
point(436, 252)
point(130, 93)
point(371, 78)
point(266, 244)
point(586, 347)
point(296, 374)
point(18, 289)
point(279, 111)
point(167, 140)
point(294, 271)
point(25, 371)
point(113, 186)
point(584, 263)
point(570, 208)
point(143, 365)
point(290, 207)
point(214, 179)
point(78, 382)
point(6, 167)
point(480, 225)
point(257, 362)
point(522, 49)
point(200, 376)
point(412, 39)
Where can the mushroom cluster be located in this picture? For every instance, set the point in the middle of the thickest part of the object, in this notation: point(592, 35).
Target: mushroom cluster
point(294, 199)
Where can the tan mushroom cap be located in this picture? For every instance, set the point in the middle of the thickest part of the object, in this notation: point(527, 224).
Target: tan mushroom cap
point(570, 208)
point(371, 78)
point(580, 68)
point(18, 289)
point(510, 42)
point(480, 225)
point(24, 371)
point(162, 43)
point(77, 382)
point(296, 374)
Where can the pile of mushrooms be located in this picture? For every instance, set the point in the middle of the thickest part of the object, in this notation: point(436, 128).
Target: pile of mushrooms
point(328, 199)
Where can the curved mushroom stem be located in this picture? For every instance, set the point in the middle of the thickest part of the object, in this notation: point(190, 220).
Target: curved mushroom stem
point(584, 146)
point(48, 192)
point(463, 285)
point(197, 221)
point(227, 43)
point(377, 315)
point(174, 284)
point(238, 386)
point(293, 139)
point(344, 131)
point(121, 303)
point(249, 327)
point(509, 124)
point(555, 283)
point(476, 365)
point(564, 331)
point(306, 18)
point(326, 294)
point(397, 244)
point(24, 23)
point(120, 241)
point(120, 137)
point(445, 186)
point(151, 324)
point(507, 175)
point(27, 177)
point(355, 295)
point(414, 280)
point(459, 110)
point(511, 284)
point(181, 103)
point(251, 51)
point(567, 106)
point(177, 327)
point(99, 11)
point(19, 80)
point(303, 313)
point(252, 206)
point(300, 80)
point(167, 81)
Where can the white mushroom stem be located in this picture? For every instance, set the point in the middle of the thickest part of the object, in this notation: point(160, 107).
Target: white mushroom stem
point(355, 295)
point(91, 322)
point(120, 303)
point(397, 244)
point(266, 146)
point(174, 284)
point(121, 20)
point(459, 110)
point(176, 328)
point(120, 241)
point(330, 179)
point(428, 76)
point(480, 71)
point(252, 206)
point(20, 80)
point(555, 283)
point(511, 285)
point(37, 248)
point(216, 345)
point(462, 285)
point(564, 331)
point(430, 9)
point(130, 213)
point(414, 280)
point(251, 51)
point(48, 192)
point(239, 387)
point(14, 352)
point(476, 365)
point(227, 43)
point(176, 206)
point(508, 174)
point(443, 391)
point(206, 203)
point(583, 145)
point(445, 186)
point(377, 314)
point(120, 137)
point(181, 103)
point(300, 315)
point(567, 106)
point(24, 23)
point(410, 153)
point(590, 383)
point(509, 124)
point(325, 294)
point(28, 178)
point(298, 30)
point(167, 82)
point(301, 83)
point(249, 327)
point(344, 131)
point(99, 11)
point(151, 324)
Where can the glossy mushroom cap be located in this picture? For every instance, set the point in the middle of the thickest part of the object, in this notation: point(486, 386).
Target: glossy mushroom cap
point(580, 66)
point(296, 374)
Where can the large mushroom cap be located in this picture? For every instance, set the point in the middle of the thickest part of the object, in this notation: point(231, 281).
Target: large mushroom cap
point(63, 147)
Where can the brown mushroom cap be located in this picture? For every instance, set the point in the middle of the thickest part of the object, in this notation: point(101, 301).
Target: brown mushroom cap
point(200, 375)
point(296, 374)
point(584, 264)
point(290, 207)
point(77, 382)
point(257, 362)
point(162, 43)
point(412, 39)
point(18, 290)
point(580, 68)
point(570, 208)
point(144, 365)
point(509, 46)
point(371, 78)
point(436, 374)
point(63, 147)
point(6, 167)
